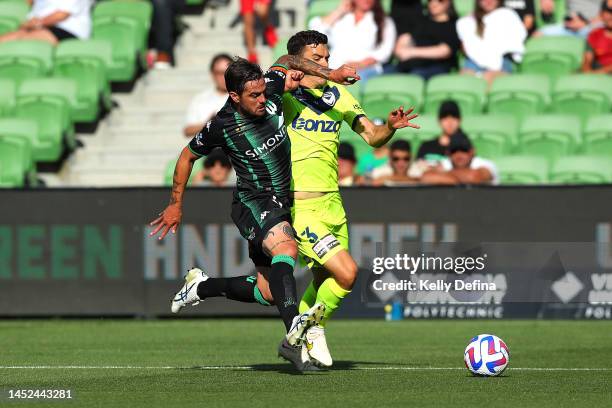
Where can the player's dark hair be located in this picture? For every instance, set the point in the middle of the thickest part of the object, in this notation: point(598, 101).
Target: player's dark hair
point(215, 156)
point(239, 72)
point(402, 145)
point(298, 41)
point(219, 57)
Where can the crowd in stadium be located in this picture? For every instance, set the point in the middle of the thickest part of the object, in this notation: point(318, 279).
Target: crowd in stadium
point(486, 39)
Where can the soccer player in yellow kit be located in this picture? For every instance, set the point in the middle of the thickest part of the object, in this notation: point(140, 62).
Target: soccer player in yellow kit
point(313, 115)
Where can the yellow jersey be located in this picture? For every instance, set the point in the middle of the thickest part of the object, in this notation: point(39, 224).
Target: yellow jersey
point(313, 118)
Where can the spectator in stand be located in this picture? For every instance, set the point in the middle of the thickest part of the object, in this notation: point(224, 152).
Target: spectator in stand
point(346, 166)
point(432, 152)
point(581, 18)
point(395, 172)
point(525, 10)
point(407, 14)
point(492, 38)
point(163, 30)
point(598, 56)
point(432, 47)
point(360, 35)
point(370, 161)
point(261, 8)
point(217, 171)
point(53, 21)
point(462, 166)
point(207, 103)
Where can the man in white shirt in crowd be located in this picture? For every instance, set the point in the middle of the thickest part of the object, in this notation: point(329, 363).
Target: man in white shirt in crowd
point(462, 166)
point(206, 104)
point(53, 21)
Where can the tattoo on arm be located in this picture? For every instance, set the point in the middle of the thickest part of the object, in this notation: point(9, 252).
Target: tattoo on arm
point(288, 230)
point(304, 65)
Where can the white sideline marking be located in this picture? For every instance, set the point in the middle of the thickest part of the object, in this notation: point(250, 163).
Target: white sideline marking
point(73, 367)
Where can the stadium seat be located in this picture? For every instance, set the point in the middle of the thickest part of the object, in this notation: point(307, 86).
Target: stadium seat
point(387, 92)
point(280, 49)
point(86, 62)
point(25, 59)
point(430, 128)
point(553, 56)
point(598, 136)
point(125, 24)
point(349, 136)
point(12, 14)
point(468, 91)
point(50, 101)
point(463, 7)
point(582, 95)
point(169, 174)
point(12, 159)
point(522, 169)
point(139, 11)
point(492, 135)
point(319, 8)
point(549, 136)
point(581, 170)
point(7, 96)
point(519, 95)
point(24, 132)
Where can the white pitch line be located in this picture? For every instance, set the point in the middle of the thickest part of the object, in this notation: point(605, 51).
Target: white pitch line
point(73, 367)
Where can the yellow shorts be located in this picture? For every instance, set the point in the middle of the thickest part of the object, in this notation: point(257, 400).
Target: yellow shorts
point(321, 228)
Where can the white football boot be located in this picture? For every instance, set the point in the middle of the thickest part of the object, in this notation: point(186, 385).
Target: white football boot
point(317, 346)
point(303, 322)
point(188, 295)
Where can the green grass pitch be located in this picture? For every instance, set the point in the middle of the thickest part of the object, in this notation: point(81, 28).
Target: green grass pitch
point(232, 363)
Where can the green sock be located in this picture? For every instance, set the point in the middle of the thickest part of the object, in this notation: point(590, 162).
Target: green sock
point(308, 298)
point(331, 294)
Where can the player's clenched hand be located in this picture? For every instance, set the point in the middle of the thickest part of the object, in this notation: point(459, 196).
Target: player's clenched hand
point(292, 81)
point(169, 219)
point(399, 118)
point(345, 75)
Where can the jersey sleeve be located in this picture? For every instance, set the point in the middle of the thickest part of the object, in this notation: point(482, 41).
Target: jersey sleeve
point(351, 108)
point(275, 84)
point(208, 138)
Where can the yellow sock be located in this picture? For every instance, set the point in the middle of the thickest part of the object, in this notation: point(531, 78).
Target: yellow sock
point(331, 294)
point(308, 298)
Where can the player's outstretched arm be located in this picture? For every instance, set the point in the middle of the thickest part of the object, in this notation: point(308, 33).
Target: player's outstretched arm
point(170, 218)
point(378, 135)
point(344, 75)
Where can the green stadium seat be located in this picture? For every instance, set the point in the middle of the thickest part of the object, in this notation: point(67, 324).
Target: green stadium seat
point(549, 136)
point(463, 7)
point(12, 14)
point(468, 91)
point(49, 101)
point(519, 95)
point(582, 95)
point(598, 136)
point(349, 136)
point(169, 173)
point(25, 132)
point(8, 89)
point(387, 92)
point(553, 56)
point(280, 48)
point(320, 8)
point(522, 169)
point(139, 11)
point(86, 62)
point(429, 129)
point(581, 170)
point(25, 59)
point(493, 135)
point(12, 159)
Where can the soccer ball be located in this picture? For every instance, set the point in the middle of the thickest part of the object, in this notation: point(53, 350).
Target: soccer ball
point(486, 355)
